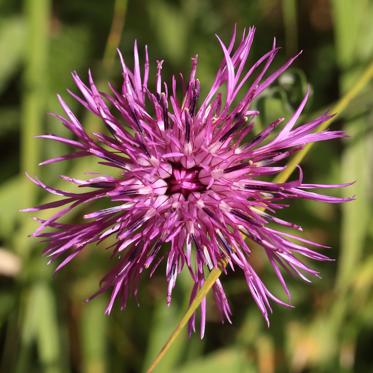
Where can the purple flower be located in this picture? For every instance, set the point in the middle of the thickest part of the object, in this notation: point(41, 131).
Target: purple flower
point(191, 179)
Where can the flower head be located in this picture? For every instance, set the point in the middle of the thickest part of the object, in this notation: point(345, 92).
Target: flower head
point(191, 186)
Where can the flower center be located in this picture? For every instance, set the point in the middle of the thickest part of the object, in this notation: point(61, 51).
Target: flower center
point(184, 180)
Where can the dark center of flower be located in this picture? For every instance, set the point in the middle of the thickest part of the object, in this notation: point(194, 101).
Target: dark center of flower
point(184, 180)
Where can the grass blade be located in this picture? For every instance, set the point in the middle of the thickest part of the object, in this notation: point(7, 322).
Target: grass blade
point(94, 337)
point(289, 13)
point(356, 162)
point(35, 89)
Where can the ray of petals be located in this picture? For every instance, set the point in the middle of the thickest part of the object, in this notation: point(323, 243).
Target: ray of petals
point(191, 181)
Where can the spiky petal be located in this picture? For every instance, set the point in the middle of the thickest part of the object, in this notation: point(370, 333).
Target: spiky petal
point(190, 177)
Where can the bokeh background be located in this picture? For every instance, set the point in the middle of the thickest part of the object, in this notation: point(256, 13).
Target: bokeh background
point(45, 325)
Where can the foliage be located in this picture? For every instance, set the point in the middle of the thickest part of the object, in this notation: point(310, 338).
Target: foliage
point(45, 326)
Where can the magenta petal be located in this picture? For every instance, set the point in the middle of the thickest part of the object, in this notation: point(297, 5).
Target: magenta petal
point(188, 187)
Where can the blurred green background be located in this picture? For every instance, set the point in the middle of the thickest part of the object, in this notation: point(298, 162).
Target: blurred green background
point(45, 326)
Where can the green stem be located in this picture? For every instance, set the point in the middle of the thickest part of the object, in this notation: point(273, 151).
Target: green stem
point(115, 34)
point(289, 13)
point(91, 121)
point(35, 90)
point(210, 281)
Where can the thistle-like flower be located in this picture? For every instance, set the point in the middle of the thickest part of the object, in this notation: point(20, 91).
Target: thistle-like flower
point(191, 186)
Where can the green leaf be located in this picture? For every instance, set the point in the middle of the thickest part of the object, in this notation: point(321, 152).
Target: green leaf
point(94, 337)
point(48, 328)
point(12, 44)
point(173, 35)
point(289, 10)
point(7, 302)
point(10, 203)
point(40, 325)
point(35, 90)
point(232, 360)
point(357, 163)
point(9, 119)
